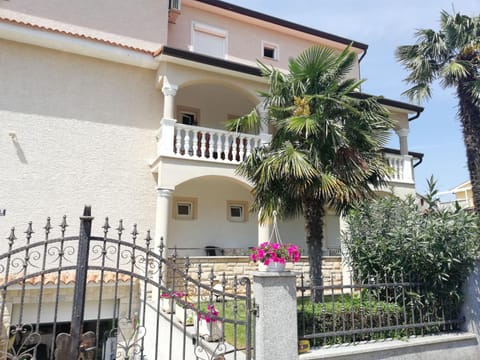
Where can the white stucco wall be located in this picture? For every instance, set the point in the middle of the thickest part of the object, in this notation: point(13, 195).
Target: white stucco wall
point(149, 16)
point(211, 227)
point(244, 39)
point(84, 132)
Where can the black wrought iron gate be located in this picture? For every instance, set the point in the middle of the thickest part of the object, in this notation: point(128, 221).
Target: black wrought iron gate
point(88, 297)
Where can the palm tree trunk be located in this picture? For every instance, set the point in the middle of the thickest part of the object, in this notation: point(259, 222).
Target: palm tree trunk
point(469, 113)
point(314, 215)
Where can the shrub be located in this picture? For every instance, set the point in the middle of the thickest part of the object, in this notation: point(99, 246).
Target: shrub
point(433, 245)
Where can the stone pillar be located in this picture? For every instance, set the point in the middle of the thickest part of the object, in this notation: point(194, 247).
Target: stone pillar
point(403, 139)
point(276, 336)
point(471, 305)
point(169, 92)
point(162, 216)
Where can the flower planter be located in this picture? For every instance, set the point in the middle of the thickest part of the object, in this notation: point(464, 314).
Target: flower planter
point(276, 266)
point(167, 305)
point(183, 314)
point(210, 331)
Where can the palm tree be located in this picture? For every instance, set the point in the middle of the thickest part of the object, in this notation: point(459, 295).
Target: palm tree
point(451, 55)
point(326, 146)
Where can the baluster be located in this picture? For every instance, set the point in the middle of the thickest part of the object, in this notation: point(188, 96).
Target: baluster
point(219, 146)
point(241, 147)
point(203, 143)
point(178, 142)
point(210, 144)
point(235, 146)
point(248, 149)
point(227, 147)
point(191, 149)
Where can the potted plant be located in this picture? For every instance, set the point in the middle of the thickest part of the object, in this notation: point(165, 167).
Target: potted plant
point(184, 311)
point(209, 326)
point(275, 255)
point(167, 303)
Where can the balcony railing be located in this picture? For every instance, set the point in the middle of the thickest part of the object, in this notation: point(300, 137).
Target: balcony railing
point(206, 144)
point(214, 145)
point(402, 170)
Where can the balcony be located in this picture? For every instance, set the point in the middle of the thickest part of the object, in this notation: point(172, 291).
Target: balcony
point(219, 146)
point(206, 144)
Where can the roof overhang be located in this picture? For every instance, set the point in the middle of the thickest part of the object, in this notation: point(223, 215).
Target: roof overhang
point(30, 30)
point(393, 104)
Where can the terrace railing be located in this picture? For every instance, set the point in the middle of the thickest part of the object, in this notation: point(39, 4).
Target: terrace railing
point(220, 146)
point(368, 307)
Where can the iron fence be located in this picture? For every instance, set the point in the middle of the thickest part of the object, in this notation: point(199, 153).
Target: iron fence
point(359, 308)
point(102, 297)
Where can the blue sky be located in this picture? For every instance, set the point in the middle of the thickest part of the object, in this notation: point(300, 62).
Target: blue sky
point(384, 25)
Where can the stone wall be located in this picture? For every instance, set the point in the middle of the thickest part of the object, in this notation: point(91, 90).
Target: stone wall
point(241, 266)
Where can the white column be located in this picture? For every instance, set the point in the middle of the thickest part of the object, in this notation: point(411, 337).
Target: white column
point(162, 216)
point(264, 230)
point(264, 135)
point(169, 92)
point(403, 139)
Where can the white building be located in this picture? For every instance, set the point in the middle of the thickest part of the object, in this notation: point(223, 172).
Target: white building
point(123, 108)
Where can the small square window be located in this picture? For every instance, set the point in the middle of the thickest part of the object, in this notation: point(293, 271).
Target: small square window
point(184, 208)
point(187, 115)
point(237, 211)
point(269, 50)
point(188, 118)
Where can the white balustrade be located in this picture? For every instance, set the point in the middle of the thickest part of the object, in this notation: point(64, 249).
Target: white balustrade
point(401, 165)
point(198, 143)
point(206, 144)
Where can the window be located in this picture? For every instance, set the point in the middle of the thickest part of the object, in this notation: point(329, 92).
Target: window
point(184, 208)
point(237, 211)
point(269, 50)
point(209, 40)
point(188, 116)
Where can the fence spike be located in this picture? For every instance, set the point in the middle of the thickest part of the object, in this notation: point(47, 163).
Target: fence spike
point(11, 238)
point(64, 224)
point(120, 228)
point(211, 277)
point(148, 239)
point(29, 231)
point(48, 226)
point(106, 226)
point(134, 232)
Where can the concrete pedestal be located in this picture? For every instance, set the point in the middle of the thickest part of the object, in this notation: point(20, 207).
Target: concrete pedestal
point(276, 327)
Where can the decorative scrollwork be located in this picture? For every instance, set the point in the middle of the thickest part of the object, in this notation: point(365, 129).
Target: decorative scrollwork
point(17, 265)
point(22, 343)
point(203, 352)
point(128, 335)
point(63, 253)
point(35, 256)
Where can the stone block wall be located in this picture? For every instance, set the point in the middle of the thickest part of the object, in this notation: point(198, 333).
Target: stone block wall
point(241, 266)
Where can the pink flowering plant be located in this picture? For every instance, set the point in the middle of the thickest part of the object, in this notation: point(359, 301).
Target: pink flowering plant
point(268, 252)
point(172, 295)
point(211, 315)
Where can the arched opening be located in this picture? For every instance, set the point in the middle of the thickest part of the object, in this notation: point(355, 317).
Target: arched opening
point(210, 216)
